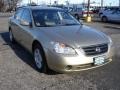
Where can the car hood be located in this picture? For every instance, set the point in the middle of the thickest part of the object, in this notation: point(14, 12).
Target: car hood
point(75, 36)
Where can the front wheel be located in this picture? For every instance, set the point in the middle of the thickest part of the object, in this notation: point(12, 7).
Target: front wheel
point(11, 36)
point(39, 59)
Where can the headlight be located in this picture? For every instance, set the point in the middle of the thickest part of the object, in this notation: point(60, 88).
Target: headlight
point(63, 49)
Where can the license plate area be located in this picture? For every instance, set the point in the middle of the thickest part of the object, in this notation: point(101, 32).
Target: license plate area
point(99, 60)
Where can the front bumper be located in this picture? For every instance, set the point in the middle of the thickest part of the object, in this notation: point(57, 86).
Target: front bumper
point(64, 64)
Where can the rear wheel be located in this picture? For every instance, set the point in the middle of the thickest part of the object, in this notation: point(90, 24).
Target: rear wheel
point(39, 59)
point(104, 19)
point(77, 16)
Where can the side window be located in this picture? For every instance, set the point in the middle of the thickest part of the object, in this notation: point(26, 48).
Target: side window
point(26, 15)
point(118, 12)
point(18, 14)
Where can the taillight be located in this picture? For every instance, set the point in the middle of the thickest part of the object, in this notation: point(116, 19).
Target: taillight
point(90, 12)
point(84, 12)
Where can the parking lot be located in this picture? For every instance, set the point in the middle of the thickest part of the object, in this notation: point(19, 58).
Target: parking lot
point(17, 71)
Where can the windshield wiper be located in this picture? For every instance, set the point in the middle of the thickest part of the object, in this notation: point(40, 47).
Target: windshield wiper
point(47, 26)
point(71, 24)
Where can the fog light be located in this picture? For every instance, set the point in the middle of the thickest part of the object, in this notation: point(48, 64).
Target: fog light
point(69, 67)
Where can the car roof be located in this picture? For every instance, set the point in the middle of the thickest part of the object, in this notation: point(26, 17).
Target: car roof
point(41, 8)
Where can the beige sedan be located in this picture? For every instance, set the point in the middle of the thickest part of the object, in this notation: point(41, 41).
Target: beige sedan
point(58, 41)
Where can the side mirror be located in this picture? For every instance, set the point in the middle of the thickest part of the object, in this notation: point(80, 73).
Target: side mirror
point(25, 23)
point(115, 12)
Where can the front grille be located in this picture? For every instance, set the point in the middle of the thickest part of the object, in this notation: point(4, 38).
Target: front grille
point(96, 49)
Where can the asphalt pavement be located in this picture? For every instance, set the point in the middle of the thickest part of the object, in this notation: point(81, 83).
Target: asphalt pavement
point(17, 71)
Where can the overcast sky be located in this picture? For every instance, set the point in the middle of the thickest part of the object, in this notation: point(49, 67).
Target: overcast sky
point(106, 2)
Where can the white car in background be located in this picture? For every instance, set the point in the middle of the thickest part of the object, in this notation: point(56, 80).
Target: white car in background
point(81, 13)
point(112, 16)
point(107, 10)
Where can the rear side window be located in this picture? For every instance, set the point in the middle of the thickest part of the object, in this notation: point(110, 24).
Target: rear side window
point(18, 14)
point(79, 9)
point(118, 12)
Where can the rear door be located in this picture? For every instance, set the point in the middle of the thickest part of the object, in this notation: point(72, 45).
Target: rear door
point(25, 31)
point(115, 16)
point(15, 23)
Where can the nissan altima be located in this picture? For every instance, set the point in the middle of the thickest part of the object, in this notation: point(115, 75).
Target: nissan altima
point(58, 41)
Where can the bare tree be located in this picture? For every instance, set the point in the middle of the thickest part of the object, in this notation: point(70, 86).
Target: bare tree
point(8, 5)
point(1, 5)
point(13, 4)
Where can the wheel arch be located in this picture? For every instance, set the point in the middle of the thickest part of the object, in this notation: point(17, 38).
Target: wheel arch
point(37, 42)
point(43, 50)
point(104, 17)
point(9, 28)
point(76, 14)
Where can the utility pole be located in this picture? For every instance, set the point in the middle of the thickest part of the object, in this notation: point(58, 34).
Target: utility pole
point(67, 4)
point(88, 8)
point(50, 2)
point(37, 2)
point(110, 4)
point(101, 4)
point(119, 3)
point(88, 18)
point(30, 2)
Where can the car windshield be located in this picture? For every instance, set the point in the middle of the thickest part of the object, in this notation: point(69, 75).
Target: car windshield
point(48, 18)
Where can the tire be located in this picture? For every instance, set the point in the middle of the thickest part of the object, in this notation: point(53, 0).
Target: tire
point(104, 19)
point(39, 59)
point(12, 39)
point(100, 14)
point(77, 16)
